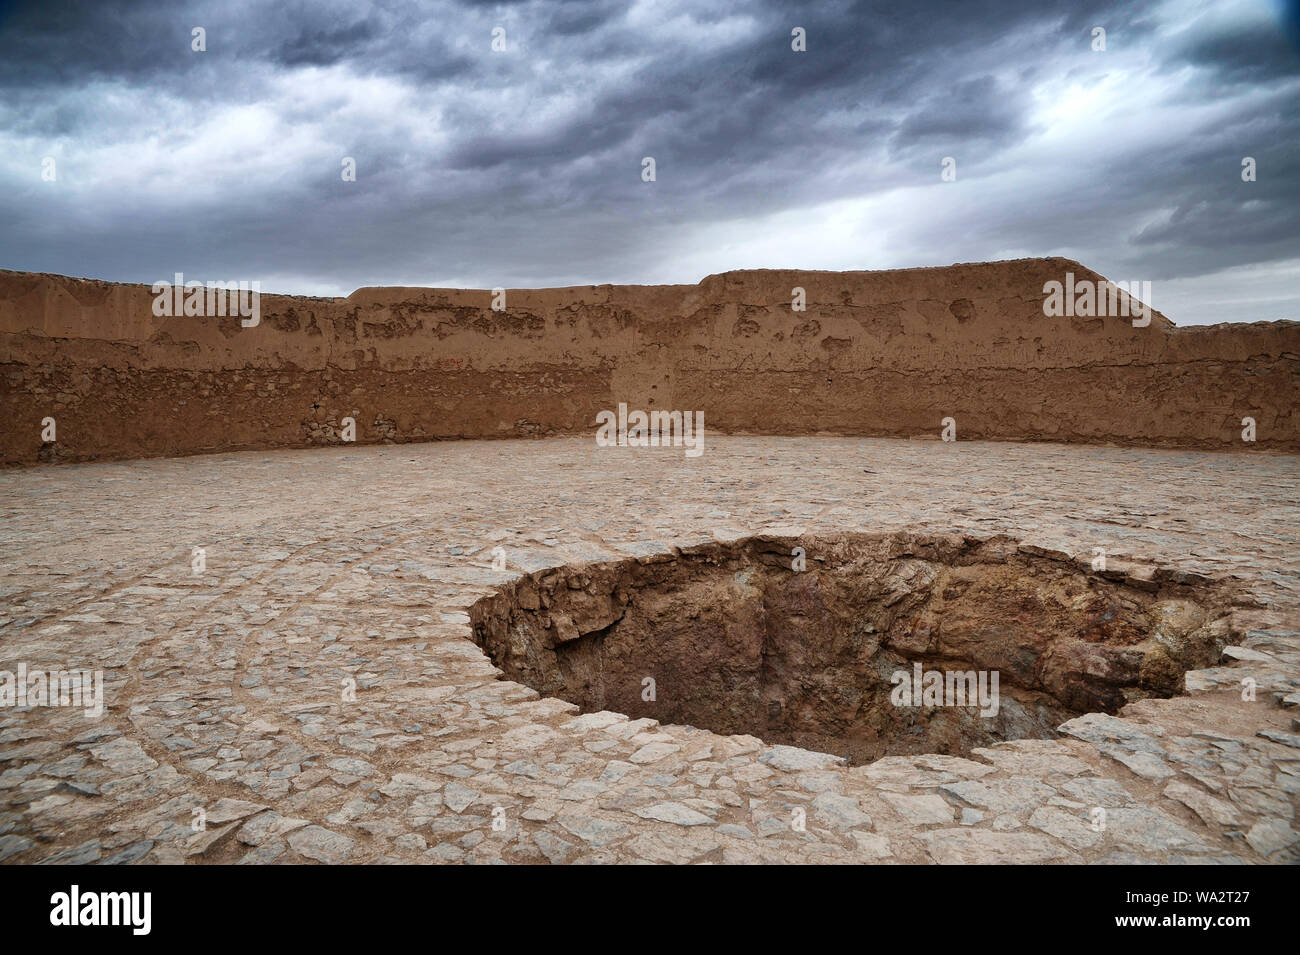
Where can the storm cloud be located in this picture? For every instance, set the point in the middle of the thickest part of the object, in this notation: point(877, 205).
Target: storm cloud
point(523, 167)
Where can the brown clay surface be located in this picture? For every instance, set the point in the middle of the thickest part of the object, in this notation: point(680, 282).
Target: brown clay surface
point(875, 354)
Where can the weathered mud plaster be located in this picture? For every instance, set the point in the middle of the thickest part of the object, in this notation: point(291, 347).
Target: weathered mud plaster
point(876, 353)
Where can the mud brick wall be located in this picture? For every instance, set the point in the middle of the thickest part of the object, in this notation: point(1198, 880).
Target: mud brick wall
point(876, 353)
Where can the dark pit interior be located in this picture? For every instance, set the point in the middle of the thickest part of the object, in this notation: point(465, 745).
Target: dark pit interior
point(738, 641)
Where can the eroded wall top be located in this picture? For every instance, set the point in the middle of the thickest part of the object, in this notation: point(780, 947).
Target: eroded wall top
point(879, 353)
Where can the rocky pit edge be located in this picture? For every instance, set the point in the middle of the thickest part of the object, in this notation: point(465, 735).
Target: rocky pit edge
point(733, 638)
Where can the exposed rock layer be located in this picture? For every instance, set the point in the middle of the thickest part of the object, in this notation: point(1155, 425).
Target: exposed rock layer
point(731, 638)
point(875, 353)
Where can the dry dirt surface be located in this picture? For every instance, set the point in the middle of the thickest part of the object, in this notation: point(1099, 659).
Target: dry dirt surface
point(334, 655)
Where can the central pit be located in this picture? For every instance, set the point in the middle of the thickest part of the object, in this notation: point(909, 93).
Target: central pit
point(809, 641)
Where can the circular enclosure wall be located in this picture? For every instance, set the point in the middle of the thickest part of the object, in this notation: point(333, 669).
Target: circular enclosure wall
point(857, 645)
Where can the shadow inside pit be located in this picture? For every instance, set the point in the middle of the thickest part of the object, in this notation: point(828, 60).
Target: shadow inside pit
point(871, 645)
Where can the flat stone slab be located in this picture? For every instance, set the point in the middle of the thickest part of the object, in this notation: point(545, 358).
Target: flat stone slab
point(316, 695)
point(982, 847)
point(322, 845)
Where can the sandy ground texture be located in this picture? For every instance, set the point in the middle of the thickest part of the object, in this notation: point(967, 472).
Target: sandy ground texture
point(314, 693)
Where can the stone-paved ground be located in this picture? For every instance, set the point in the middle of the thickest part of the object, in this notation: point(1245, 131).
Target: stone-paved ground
point(225, 690)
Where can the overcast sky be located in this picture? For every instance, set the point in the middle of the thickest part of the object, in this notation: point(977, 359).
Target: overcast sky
point(523, 168)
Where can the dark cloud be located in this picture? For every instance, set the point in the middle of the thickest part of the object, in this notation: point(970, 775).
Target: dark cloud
point(1234, 52)
point(524, 167)
point(318, 46)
